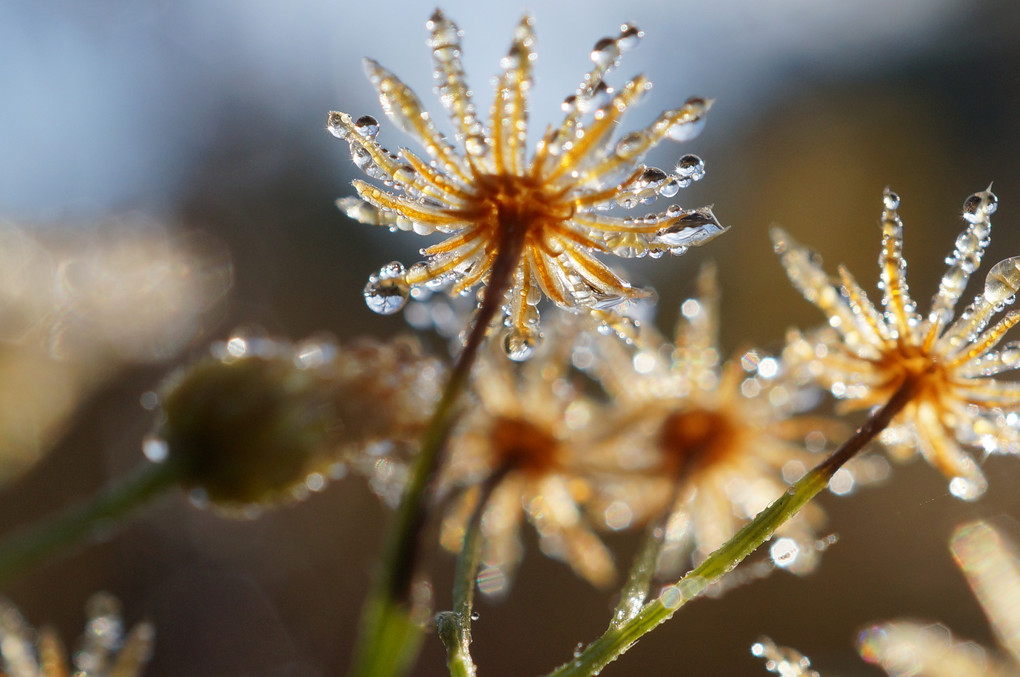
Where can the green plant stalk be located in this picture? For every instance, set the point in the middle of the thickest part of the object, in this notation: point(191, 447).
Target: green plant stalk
point(93, 517)
point(454, 627)
point(621, 636)
point(389, 638)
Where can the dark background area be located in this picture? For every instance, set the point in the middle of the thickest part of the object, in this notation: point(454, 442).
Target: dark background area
point(210, 117)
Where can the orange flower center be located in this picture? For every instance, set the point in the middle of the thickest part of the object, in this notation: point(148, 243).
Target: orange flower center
point(520, 445)
point(915, 367)
point(518, 208)
point(696, 439)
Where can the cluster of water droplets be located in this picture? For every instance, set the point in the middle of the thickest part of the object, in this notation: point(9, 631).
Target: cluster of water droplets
point(1001, 286)
point(782, 661)
point(966, 257)
point(893, 267)
point(451, 88)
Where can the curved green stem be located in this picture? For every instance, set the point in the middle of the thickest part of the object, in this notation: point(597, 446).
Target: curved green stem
point(454, 627)
point(621, 636)
point(389, 637)
point(96, 515)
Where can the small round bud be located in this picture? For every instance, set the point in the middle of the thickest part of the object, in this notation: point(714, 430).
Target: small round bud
point(248, 430)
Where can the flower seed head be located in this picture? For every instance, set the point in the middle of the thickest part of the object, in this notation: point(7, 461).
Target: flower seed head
point(542, 218)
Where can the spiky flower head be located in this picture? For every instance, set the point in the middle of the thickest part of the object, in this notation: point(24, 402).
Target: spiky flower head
point(522, 450)
point(716, 441)
point(103, 651)
point(945, 368)
point(531, 226)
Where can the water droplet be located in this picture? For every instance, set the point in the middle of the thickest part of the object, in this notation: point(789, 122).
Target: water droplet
point(475, 145)
point(891, 200)
point(386, 291)
point(475, 615)
point(629, 37)
point(367, 126)
point(670, 188)
point(651, 178)
point(1010, 355)
point(691, 167)
point(520, 344)
point(979, 206)
point(1003, 281)
point(578, 649)
point(605, 51)
point(686, 130)
point(361, 157)
point(629, 145)
point(784, 552)
point(966, 489)
point(671, 597)
point(599, 98)
point(155, 449)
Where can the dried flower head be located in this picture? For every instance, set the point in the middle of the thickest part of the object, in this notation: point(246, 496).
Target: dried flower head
point(717, 442)
point(521, 438)
point(532, 225)
point(265, 420)
point(946, 368)
point(783, 660)
point(102, 652)
point(992, 568)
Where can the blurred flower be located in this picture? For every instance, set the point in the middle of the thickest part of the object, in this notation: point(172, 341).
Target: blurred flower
point(537, 221)
point(521, 440)
point(992, 569)
point(946, 369)
point(75, 308)
point(716, 442)
point(781, 660)
point(264, 420)
point(103, 651)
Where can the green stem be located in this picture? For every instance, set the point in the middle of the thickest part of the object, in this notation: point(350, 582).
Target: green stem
point(90, 518)
point(454, 627)
point(621, 636)
point(389, 636)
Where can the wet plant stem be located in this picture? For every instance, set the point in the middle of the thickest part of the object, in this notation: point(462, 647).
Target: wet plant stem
point(454, 627)
point(621, 636)
point(642, 569)
point(389, 636)
point(91, 518)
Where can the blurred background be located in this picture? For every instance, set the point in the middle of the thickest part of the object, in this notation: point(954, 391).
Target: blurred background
point(166, 175)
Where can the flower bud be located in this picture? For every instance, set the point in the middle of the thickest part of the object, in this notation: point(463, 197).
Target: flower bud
point(263, 421)
point(249, 430)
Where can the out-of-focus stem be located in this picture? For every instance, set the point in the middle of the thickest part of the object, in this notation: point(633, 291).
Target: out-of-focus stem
point(389, 638)
point(88, 519)
point(621, 636)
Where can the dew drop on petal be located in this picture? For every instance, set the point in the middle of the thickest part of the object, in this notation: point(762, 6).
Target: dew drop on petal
point(966, 489)
point(629, 37)
point(605, 51)
point(670, 188)
point(686, 129)
point(520, 344)
point(367, 126)
point(386, 291)
point(475, 145)
point(979, 206)
point(691, 167)
point(891, 200)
